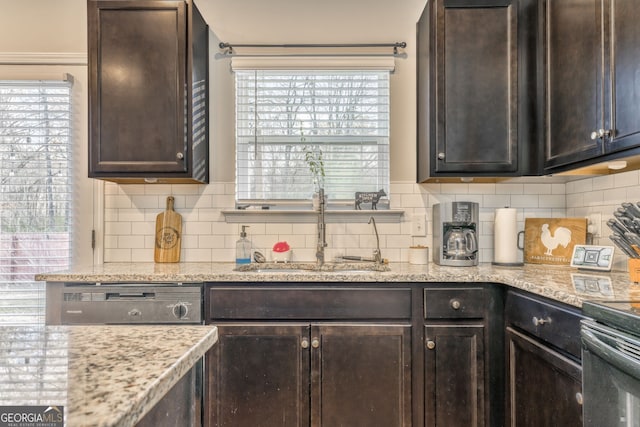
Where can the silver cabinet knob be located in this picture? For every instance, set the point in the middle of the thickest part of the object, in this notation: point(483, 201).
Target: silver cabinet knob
point(600, 133)
point(441, 156)
point(455, 304)
point(431, 344)
point(315, 343)
point(540, 321)
point(304, 343)
point(579, 398)
point(179, 156)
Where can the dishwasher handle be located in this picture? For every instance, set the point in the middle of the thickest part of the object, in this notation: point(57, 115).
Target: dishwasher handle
point(614, 357)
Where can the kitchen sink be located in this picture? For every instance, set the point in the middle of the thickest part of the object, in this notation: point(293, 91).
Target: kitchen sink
point(329, 267)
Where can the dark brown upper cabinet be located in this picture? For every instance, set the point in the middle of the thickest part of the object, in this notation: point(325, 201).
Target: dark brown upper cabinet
point(592, 109)
point(477, 89)
point(148, 91)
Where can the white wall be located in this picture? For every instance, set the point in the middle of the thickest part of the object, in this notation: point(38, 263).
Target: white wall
point(306, 21)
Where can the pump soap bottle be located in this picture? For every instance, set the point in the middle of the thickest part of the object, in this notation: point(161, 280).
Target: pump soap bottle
point(243, 248)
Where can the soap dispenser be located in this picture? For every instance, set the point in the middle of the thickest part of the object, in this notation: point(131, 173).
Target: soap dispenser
point(243, 248)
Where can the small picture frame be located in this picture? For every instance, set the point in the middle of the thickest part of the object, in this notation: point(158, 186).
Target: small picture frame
point(592, 257)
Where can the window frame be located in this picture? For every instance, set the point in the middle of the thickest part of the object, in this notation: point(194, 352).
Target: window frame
point(307, 136)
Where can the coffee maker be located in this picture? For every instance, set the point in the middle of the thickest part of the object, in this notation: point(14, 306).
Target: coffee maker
point(455, 238)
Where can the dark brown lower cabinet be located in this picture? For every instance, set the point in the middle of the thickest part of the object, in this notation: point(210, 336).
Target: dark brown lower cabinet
point(454, 375)
point(545, 387)
point(181, 406)
point(292, 374)
point(259, 376)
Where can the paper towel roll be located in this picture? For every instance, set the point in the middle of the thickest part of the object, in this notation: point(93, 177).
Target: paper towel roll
point(505, 237)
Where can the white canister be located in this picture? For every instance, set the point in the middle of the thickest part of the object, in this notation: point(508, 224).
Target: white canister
point(419, 255)
point(505, 237)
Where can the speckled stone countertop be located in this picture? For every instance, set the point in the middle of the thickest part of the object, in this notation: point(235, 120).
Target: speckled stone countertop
point(102, 375)
point(561, 283)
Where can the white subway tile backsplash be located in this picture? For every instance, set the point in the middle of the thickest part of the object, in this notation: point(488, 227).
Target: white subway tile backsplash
point(130, 212)
point(603, 182)
point(495, 201)
point(484, 188)
point(117, 228)
point(524, 201)
point(133, 242)
point(614, 195)
point(509, 189)
point(575, 200)
point(633, 194)
point(594, 198)
point(415, 200)
point(451, 188)
point(551, 201)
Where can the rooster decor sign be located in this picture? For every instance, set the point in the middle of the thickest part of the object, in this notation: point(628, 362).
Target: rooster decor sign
point(551, 240)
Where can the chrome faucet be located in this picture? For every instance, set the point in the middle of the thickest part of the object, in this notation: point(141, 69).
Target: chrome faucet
point(377, 255)
point(322, 230)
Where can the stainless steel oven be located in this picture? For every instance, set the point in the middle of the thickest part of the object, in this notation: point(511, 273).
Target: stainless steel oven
point(611, 364)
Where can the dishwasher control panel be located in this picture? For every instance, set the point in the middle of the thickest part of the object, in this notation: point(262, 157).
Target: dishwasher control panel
point(124, 303)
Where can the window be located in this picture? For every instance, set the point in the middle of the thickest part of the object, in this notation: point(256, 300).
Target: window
point(35, 193)
point(282, 115)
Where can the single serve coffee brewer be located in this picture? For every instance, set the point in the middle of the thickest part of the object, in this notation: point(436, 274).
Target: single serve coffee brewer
point(455, 234)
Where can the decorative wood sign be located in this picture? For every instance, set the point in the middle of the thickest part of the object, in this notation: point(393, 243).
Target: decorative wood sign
point(551, 240)
point(168, 234)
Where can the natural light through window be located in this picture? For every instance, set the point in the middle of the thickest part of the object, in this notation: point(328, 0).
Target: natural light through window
point(283, 116)
point(35, 193)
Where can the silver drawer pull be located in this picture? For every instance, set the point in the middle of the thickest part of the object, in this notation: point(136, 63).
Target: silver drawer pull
point(538, 322)
point(304, 343)
point(579, 398)
point(431, 344)
point(455, 304)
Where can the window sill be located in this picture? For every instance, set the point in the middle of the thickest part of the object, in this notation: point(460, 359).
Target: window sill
point(310, 216)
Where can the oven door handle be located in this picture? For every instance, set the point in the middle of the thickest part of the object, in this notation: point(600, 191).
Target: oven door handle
point(613, 356)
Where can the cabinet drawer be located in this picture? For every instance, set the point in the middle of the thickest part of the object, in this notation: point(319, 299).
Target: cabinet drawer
point(447, 303)
point(245, 303)
point(558, 325)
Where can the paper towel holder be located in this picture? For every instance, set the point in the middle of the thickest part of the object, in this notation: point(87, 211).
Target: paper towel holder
point(513, 264)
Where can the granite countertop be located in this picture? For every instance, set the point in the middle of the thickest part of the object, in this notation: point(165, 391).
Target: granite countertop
point(101, 375)
point(561, 283)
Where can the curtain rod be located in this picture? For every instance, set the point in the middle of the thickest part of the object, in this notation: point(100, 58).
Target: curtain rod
point(229, 47)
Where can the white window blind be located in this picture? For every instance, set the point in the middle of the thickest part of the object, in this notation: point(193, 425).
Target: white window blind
point(281, 114)
point(35, 193)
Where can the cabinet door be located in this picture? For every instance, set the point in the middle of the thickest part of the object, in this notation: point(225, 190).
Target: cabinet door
point(258, 376)
point(137, 94)
point(545, 388)
point(573, 40)
point(361, 375)
point(623, 53)
point(454, 375)
point(476, 86)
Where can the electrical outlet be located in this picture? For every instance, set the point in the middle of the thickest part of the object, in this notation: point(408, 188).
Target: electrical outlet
point(418, 226)
point(594, 225)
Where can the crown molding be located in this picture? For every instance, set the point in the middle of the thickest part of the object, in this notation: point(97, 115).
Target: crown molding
point(43, 58)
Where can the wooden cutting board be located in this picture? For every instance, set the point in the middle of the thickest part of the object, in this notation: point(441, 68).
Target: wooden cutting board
point(168, 234)
point(551, 240)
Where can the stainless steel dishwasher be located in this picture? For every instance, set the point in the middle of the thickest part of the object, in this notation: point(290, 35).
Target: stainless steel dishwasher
point(139, 304)
point(123, 303)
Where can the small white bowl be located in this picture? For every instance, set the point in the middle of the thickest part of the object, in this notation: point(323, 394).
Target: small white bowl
point(281, 256)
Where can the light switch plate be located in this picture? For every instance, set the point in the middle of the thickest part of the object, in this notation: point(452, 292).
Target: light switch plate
point(418, 226)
